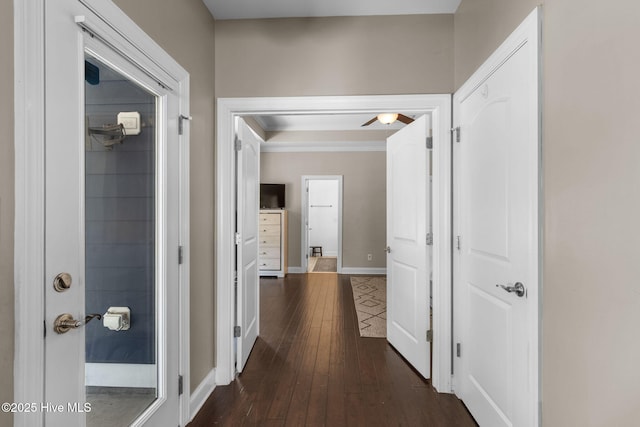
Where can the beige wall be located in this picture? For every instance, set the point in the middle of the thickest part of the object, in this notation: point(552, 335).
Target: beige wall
point(6, 208)
point(591, 297)
point(364, 199)
point(335, 56)
point(480, 27)
point(185, 29)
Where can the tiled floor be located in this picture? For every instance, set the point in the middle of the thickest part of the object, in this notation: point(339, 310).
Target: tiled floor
point(117, 406)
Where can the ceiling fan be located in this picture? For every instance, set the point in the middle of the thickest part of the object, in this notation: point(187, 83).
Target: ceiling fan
point(388, 118)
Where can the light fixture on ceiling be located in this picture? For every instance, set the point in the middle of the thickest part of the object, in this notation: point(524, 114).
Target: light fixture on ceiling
point(387, 118)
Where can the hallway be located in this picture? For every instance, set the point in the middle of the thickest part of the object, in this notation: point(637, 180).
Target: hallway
point(310, 367)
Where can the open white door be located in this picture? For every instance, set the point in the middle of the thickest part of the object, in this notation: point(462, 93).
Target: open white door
point(408, 257)
point(112, 215)
point(248, 199)
point(496, 264)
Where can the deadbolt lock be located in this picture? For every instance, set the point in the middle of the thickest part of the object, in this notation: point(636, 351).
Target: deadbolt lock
point(62, 282)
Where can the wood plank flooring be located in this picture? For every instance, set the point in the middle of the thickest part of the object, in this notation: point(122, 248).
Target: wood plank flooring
point(310, 367)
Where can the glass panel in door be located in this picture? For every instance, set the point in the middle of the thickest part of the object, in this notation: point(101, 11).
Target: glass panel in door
point(121, 374)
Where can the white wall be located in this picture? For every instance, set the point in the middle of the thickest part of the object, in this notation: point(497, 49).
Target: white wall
point(323, 215)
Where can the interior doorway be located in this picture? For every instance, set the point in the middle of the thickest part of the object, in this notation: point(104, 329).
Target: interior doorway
point(321, 223)
point(439, 106)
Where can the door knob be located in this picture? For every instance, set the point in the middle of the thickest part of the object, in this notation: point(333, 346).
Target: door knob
point(387, 250)
point(65, 322)
point(518, 288)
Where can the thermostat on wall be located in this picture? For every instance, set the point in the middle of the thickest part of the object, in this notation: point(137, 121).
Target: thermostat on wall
point(131, 122)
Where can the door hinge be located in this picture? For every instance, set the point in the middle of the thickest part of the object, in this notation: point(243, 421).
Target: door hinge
point(181, 119)
point(238, 144)
point(237, 331)
point(429, 239)
point(180, 385)
point(458, 349)
point(429, 142)
point(456, 130)
point(430, 335)
point(180, 254)
point(458, 244)
point(237, 238)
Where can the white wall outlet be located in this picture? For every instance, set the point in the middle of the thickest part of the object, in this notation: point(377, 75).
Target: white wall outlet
point(369, 257)
point(131, 122)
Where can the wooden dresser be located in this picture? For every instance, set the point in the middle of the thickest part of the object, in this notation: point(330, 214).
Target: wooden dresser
point(272, 252)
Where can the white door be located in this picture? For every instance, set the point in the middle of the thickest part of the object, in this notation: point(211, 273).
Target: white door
point(408, 258)
point(497, 263)
point(112, 230)
point(248, 301)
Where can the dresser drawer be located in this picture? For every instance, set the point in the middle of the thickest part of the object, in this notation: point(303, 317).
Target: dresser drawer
point(269, 252)
point(269, 264)
point(265, 229)
point(269, 241)
point(269, 219)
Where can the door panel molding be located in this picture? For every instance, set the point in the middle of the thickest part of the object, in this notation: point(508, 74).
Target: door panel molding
point(440, 108)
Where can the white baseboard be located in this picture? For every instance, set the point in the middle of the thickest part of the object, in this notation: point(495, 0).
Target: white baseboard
point(120, 375)
point(295, 270)
point(202, 393)
point(364, 270)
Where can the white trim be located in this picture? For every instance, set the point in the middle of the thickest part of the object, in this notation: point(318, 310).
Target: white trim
point(29, 255)
point(202, 393)
point(529, 31)
point(229, 108)
point(442, 237)
point(373, 271)
point(296, 270)
point(304, 200)
point(185, 243)
point(28, 370)
point(120, 375)
point(322, 146)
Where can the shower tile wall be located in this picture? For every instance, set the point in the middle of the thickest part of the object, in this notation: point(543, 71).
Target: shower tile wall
point(120, 226)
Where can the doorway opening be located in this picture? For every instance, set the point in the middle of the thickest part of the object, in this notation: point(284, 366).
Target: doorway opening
point(438, 106)
point(321, 224)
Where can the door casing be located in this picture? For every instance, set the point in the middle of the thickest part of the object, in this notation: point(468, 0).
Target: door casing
point(29, 263)
point(229, 108)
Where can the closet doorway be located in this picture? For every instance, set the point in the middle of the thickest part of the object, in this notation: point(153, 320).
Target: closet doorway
point(321, 223)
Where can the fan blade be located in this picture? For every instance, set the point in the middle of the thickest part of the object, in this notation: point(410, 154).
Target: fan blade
point(370, 121)
point(404, 119)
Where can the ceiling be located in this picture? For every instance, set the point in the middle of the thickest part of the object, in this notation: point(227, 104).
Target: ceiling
point(323, 122)
point(256, 9)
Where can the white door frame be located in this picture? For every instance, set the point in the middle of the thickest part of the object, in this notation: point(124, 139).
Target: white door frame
point(439, 106)
point(304, 197)
point(529, 31)
point(29, 261)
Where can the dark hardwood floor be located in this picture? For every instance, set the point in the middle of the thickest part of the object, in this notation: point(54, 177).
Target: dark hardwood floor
point(310, 367)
